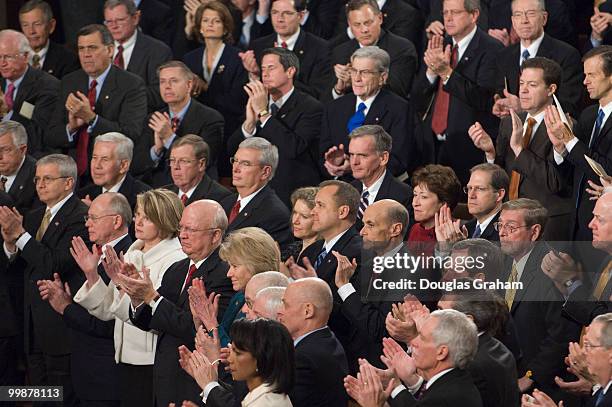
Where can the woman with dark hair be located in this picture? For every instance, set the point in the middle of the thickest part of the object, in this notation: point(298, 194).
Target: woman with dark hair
point(434, 186)
point(262, 355)
point(219, 69)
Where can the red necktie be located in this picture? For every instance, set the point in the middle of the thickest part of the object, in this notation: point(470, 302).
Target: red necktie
point(99, 250)
point(8, 96)
point(184, 199)
point(439, 120)
point(174, 123)
point(284, 44)
point(235, 211)
point(190, 272)
point(83, 137)
point(118, 61)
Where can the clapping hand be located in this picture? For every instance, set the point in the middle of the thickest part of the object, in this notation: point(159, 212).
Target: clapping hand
point(298, 271)
point(448, 232)
point(367, 388)
point(344, 270)
point(57, 294)
point(337, 161)
point(204, 307)
point(86, 259)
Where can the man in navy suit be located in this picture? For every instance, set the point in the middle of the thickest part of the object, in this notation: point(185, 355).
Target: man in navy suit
point(320, 360)
point(135, 51)
point(92, 359)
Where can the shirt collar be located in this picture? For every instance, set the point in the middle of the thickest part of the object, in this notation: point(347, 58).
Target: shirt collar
point(55, 208)
point(486, 222)
point(463, 44)
point(533, 48)
point(182, 112)
point(116, 187)
point(100, 79)
point(435, 377)
point(290, 41)
point(368, 102)
point(373, 189)
point(329, 244)
point(245, 201)
point(188, 193)
point(129, 43)
point(381, 3)
point(520, 265)
point(17, 81)
point(112, 243)
point(299, 338)
point(198, 263)
point(281, 101)
point(42, 53)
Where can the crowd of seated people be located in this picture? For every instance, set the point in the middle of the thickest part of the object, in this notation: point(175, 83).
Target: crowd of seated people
point(307, 203)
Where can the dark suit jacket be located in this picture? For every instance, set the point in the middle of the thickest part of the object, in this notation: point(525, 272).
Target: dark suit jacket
point(225, 91)
point(11, 320)
point(349, 245)
point(60, 61)
point(404, 60)
point(489, 233)
point(148, 54)
point(471, 88)
point(265, 211)
point(541, 178)
point(93, 347)
point(294, 130)
point(455, 388)
point(174, 323)
point(570, 90)
point(605, 402)
point(206, 189)
point(38, 261)
point(600, 151)
point(320, 364)
point(156, 20)
point(323, 16)
point(40, 90)
point(130, 188)
point(121, 106)
point(199, 120)
point(23, 190)
point(388, 110)
point(315, 74)
point(543, 334)
point(493, 371)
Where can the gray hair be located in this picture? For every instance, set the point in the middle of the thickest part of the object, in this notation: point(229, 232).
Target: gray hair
point(66, 165)
point(606, 329)
point(458, 333)
point(107, 38)
point(273, 297)
point(535, 213)
point(187, 73)
point(120, 205)
point(268, 151)
point(129, 5)
point(470, 5)
point(17, 131)
point(379, 55)
point(382, 140)
point(124, 146)
point(43, 6)
point(23, 45)
point(541, 4)
point(270, 279)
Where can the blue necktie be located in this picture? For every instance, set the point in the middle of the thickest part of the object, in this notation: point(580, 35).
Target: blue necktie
point(320, 258)
point(477, 232)
point(600, 397)
point(273, 109)
point(525, 56)
point(598, 123)
point(357, 119)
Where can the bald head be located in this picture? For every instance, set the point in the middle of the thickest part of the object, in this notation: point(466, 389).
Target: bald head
point(202, 228)
point(601, 224)
point(307, 304)
point(385, 223)
point(315, 291)
point(14, 43)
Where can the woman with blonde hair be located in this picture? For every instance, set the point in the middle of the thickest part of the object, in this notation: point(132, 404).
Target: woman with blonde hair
point(156, 222)
point(248, 251)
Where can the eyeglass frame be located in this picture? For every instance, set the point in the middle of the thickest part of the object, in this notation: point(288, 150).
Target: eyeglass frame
point(499, 227)
point(97, 218)
point(245, 163)
point(46, 179)
point(189, 231)
point(182, 161)
point(466, 189)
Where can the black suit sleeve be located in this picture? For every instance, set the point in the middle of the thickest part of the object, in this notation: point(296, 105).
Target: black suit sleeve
point(403, 69)
point(220, 396)
point(173, 320)
point(366, 317)
point(77, 318)
point(477, 94)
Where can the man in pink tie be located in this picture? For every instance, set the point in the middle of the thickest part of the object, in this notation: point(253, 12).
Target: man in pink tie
point(97, 99)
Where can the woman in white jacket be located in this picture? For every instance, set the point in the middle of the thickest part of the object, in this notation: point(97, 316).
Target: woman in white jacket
point(157, 216)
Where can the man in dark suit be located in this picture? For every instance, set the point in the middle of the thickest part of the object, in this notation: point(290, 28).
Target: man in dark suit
point(97, 99)
point(535, 43)
point(135, 51)
point(110, 163)
point(17, 168)
point(368, 104)
point(600, 23)
point(156, 20)
point(29, 95)
point(182, 115)
point(320, 360)
point(322, 17)
point(451, 384)
point(93, 352)
point(167, 310)
point(369, 150)
point(287, 118)
point(526, 152)
point(493, 369)
point(334, 215)
point(455, 88)
point(535, 303)
point(253, 166)
point(187, 162)
point(486, 190)
point(37, 23)
point(315, 73)
point(39, 247)
point(404, 61)
point(591, 137)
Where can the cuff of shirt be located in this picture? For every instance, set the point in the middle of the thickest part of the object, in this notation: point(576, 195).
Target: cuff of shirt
point(246, 134)
point(92, 125)
point(263, 123)
point(261, 19)
point(490, 161)
point(23, 240)
point(335, 94)
point(558, 157)
point(134, 308)
point(9, 254)
point(154, 304)
point(573, 288)
point(154, 155)
point(168, 143)
point(70, 135)
point(595, 43)
point(397, 390)
point(431, 78)
point(570, 144)
point(207, 389)
point(346, 290)
point(414, 388)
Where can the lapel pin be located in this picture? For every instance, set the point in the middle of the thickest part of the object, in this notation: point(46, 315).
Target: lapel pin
point(106, 97)
point(301, 51)
point(221, 69)
point(56, 223)
point(20, 186)
point(50, 71)
point(245, 214)
point(283, 116)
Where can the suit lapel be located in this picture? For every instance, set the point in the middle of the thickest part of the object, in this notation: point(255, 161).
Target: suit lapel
point(288, 106)
point(470, 51)
point(526, 278)
point(384, 187)
point(298, 49)
point(251, 207)
point(107, 90)
point(58, 220)
point(20, 178)
point(377, 111)
point(137, 55)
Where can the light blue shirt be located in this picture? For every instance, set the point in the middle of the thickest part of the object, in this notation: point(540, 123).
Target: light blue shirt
point(180, 115)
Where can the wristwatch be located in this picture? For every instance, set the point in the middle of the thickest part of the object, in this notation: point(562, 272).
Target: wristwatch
point(262, 113)
point(569, 283)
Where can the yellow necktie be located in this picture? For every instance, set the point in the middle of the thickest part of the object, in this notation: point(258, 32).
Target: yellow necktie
point(511, 292)
point(603, 281)
point(43, 225)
